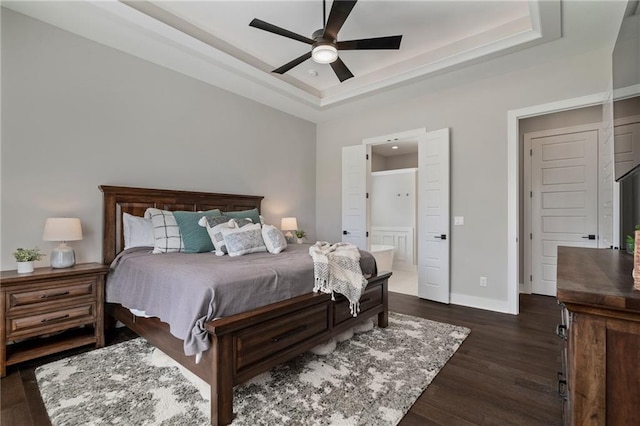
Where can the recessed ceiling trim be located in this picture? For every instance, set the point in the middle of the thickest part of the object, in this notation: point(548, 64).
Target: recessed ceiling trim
point(189, 51)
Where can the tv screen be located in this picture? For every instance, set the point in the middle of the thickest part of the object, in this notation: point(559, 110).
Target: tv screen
point(626, 95)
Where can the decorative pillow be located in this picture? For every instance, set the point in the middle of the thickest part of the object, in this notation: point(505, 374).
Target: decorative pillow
point(273, 239)
point(194, 237)
point(215, 225)
point(245, 214)
point(247, 239)
point(166, 233)
point(138, 231)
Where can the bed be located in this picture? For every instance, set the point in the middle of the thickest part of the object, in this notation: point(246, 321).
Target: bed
point(248, 343)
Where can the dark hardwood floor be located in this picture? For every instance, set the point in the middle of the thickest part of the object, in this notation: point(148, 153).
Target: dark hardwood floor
point(503, 374)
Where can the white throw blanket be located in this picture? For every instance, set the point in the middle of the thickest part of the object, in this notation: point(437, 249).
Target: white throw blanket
point(336, 269)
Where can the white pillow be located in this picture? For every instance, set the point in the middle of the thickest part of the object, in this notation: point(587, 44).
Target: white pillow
point(247, 239)
point(273, 239)
point(138, 231)
point(214, 227)
point(166, 233)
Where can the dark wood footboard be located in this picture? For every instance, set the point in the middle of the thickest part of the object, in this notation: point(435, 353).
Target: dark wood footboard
point(250, 343)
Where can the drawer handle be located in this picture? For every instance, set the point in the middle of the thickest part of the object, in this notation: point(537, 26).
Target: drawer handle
point(55, 318)
point(46, 296)
point(561, 331)
point(289, 333)
point(562, 385)
point(365, 301)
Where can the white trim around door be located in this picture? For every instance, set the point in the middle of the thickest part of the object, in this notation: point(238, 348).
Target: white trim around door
point(513, 149)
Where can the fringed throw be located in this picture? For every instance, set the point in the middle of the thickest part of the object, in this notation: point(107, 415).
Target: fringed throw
point(337, 269)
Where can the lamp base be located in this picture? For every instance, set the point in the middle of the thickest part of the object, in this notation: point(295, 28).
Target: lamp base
point(63, 256)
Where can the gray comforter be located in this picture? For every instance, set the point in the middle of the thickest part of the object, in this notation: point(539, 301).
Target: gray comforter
point(187, 290)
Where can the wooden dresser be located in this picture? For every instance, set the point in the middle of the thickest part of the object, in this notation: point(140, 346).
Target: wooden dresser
point(603, 336)
point(50, 310)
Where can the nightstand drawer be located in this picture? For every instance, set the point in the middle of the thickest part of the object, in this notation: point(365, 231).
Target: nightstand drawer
point(17, 299)
point(50, 321)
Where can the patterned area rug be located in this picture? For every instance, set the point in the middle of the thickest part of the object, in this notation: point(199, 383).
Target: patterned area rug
point(371, 379)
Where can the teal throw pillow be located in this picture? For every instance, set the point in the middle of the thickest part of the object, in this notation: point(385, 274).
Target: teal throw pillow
point(195, 238)
point(245, 214)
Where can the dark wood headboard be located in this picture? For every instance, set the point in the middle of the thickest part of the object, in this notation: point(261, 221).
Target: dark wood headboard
point(122, 199)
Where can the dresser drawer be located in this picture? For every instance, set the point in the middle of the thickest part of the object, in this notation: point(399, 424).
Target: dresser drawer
point(279, 334)
point(60, 291)
point(371, 298)
point(59, 319)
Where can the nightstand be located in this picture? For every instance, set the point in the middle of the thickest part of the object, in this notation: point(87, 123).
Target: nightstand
point(49, 311)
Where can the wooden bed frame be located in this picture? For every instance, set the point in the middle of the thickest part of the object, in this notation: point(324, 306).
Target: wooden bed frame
point(246, 344)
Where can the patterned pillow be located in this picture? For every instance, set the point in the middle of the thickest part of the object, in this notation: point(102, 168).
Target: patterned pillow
point(215, 225)
point(273, 239)
point(243, 240)
point(165, 231)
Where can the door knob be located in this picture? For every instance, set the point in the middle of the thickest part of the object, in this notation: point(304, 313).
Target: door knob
point(441, 236)
point(590, 237)
point(345, 232)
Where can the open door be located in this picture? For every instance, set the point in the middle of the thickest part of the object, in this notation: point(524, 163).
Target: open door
point(356, 168)
point(433, 216)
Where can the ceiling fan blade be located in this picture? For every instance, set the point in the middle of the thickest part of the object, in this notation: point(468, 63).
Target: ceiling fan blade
point(340, 10)
point(297, 61)
point(257, 23)
point(377, 43)
point(341, 70)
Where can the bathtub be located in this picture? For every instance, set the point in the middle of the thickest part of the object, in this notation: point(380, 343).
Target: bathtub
point(383, 255)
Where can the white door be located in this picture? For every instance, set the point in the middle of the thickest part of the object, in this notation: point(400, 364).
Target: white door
point(564, 201)
point(433, 216)
point(356, 168)
point(627, 148)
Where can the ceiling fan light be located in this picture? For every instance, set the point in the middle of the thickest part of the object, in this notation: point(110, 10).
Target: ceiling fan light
point(324, 54)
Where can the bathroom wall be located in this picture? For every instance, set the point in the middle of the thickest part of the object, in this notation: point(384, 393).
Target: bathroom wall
point(380, 163)
point(393, 198)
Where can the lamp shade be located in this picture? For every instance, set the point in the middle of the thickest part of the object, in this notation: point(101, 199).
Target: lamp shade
point(289, 224)
point(62, 229)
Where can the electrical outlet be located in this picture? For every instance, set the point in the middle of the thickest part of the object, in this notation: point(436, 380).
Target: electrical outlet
point(483, 281)
point(458, 220)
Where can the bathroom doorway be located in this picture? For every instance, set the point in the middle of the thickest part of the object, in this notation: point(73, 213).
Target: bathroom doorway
point(431, 231)
point(394, 173)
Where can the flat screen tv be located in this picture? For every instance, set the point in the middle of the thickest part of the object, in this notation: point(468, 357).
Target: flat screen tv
point(626, 95)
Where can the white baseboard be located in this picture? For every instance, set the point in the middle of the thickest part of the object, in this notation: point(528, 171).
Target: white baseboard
point(481, 303)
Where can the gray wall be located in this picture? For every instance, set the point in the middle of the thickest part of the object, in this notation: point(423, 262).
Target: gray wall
point(473, 102)
point(77, 114)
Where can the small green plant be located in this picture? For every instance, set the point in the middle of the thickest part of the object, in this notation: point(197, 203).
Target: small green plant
point(301, 234)
point(631, 240)
point(28, 255)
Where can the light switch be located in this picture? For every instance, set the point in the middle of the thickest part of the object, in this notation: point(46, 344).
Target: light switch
point(458, 220)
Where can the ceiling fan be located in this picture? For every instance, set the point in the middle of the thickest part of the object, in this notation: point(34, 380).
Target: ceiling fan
point(324, 42)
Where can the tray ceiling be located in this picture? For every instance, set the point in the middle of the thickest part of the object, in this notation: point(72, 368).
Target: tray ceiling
point(212, 40)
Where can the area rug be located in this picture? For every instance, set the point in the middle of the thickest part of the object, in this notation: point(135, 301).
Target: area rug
point(371, 379)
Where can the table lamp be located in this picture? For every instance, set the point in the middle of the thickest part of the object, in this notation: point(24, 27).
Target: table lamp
point(62, 229)
point(289, 224)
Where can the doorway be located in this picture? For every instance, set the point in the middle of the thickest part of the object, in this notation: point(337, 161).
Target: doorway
point(514, 182)
point(561, 181)
point(432, 230)
point(394, 174)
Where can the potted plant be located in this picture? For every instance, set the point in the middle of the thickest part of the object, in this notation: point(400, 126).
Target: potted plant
point(631, 241)
point(300, 235)
point(25, 259)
